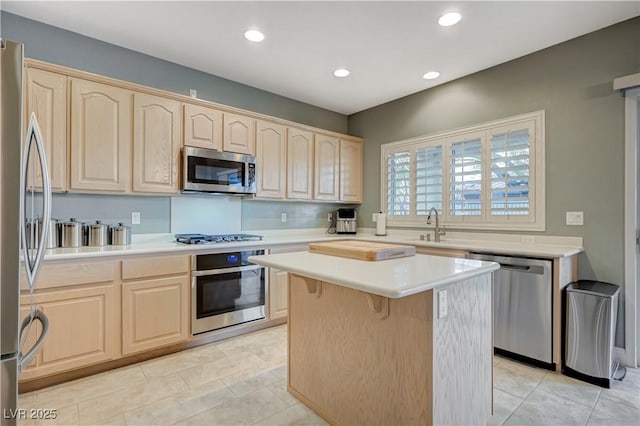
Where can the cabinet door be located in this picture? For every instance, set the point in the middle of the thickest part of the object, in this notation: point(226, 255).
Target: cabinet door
point(156, 145)
point(271, 167)
point(278, 294)
point(239, 134)
point(202, 127)
point(81, 329)
point(299, 164)
point(100, 137)
point(326, 168)
point(155, 313)
point(47, 98)
point(350, 171)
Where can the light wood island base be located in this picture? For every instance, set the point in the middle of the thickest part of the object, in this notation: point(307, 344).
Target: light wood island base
point(361, 359)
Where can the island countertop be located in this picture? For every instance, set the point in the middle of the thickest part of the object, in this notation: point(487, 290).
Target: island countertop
point(393, 278)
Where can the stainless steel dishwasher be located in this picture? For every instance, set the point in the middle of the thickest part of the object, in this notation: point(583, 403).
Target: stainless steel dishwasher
point(522, 308)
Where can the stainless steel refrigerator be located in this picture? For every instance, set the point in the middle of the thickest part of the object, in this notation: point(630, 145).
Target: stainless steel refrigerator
point(19, 206)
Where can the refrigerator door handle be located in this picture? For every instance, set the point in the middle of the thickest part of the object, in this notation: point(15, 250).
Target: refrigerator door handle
point(23, 360)
point(32, 264)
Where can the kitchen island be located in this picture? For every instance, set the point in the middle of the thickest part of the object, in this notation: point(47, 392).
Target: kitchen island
point(400, 341)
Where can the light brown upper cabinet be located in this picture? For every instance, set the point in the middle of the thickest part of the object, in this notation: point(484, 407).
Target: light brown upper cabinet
point(47, 98)
point(271, 157)
point(100, 137)
point(103, 135)
point(156, 146)
point(202, 127)
point(350, 171)
point(299, 164)
point(239, 134)
point(326, 168)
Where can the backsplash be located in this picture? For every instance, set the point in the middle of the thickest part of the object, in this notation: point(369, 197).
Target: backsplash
point(258, 214)
point(154, 211)
point(205, 214)
point(193, 213)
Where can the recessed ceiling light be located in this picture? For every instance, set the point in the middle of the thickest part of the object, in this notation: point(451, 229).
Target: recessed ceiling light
point(449, 19)
point(431, 75)
point(341, 72)
point(253, 35)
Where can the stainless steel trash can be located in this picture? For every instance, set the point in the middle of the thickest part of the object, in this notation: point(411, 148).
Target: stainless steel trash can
point(591, 314)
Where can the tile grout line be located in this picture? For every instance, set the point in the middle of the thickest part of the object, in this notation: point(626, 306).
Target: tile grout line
point(593, 409)
point(513, 411)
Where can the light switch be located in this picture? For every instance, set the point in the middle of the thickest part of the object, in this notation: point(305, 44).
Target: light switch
point(374, 217)
point(575, 218)
point(283, 218)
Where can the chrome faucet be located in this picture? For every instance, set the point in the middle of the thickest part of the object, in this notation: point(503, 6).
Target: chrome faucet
point(437, 232)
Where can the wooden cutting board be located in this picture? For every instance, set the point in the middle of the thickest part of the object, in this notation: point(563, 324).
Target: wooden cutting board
point(362, 250)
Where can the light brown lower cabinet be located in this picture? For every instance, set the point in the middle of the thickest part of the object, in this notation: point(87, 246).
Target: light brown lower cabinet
point(155, 302)
point(278, 303)
point(154, 313)
point(100, 311)
point(278, 284)
point(82, 329)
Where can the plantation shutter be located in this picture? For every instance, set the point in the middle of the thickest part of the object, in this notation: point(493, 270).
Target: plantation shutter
point(429, 179)
point(398, 183)
point(465, 177)
point(510, 172)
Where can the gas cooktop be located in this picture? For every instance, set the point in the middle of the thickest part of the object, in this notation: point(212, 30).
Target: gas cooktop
point(214, 239)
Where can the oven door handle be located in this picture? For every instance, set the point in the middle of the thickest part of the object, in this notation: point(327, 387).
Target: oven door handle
point(226, 270)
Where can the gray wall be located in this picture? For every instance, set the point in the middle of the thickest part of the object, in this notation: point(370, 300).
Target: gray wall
point(63, 47)
point(572, 82)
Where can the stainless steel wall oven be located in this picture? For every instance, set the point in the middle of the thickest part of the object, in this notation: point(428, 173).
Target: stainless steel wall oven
point(226, 290)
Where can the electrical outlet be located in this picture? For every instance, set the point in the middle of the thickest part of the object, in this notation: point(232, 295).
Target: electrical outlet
point(575, 218)
point(193, 93)
point(329, 217)
point(374, 217)
point(135, 218)
point(283, 218)
point(443, 304)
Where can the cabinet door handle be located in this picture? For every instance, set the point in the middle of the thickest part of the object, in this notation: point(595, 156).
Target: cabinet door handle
point(23, 360)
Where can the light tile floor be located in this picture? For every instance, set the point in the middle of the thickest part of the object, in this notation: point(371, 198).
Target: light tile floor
point(243, 381)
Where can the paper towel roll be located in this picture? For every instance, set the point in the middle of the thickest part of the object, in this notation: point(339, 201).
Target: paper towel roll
point(381, 224)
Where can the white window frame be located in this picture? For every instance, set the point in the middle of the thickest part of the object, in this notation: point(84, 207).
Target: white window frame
point(535, 221)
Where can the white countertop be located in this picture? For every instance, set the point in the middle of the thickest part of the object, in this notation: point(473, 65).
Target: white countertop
point(392, 278)
point(518, 245)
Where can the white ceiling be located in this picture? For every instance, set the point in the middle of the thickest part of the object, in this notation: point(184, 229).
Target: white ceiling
point(388, 46)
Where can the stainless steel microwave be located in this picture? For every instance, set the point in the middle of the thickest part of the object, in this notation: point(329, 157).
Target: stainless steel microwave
point(209, 170)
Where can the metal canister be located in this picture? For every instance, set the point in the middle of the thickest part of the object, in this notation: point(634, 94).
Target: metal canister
point(96, 234)
point(53, 237)
point(71, 233)
point(119, 235)
point(31, 230)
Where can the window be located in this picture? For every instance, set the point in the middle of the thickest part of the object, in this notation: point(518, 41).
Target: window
point(488, 176)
